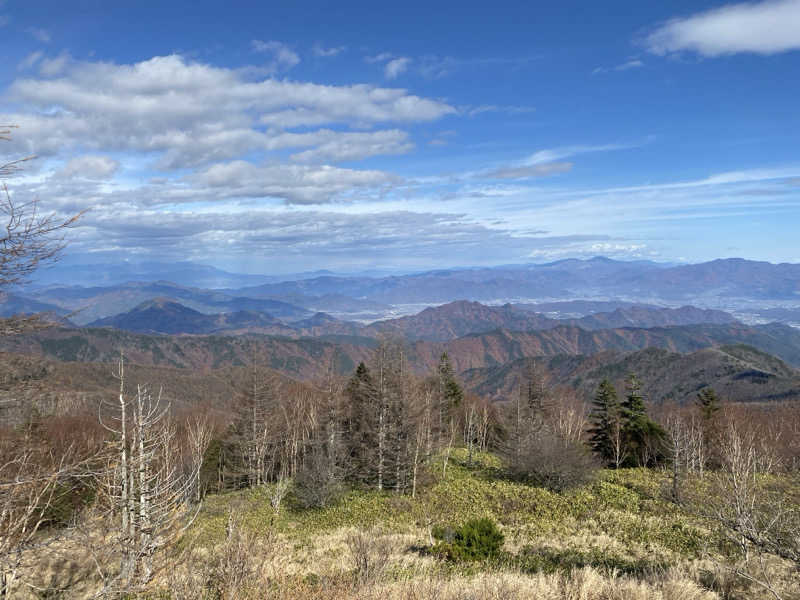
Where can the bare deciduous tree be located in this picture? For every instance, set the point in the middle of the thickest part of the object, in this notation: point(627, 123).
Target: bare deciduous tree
point(757, 515)
point(147, 488)
point(200, 432)
point(28, 239)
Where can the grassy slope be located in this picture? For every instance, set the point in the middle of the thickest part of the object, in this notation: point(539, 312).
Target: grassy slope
point(619, 524)
point(617, 538)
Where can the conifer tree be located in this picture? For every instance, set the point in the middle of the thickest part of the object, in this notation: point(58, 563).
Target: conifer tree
point(643, 438)
point(450, 391)
point(606, 431)
point(708, 405)
point(362, 427)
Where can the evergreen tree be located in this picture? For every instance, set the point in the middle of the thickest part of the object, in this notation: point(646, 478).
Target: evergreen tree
point(643, 437)
point(708, 405)
point(451, 393)
point(361, 431)
point(606, 430)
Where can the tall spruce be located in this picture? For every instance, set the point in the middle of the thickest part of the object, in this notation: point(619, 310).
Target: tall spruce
point(362, 427)
point(708, 405)
point(606, 424)
point(644, 439)
point(449, 398)
point(451, 392)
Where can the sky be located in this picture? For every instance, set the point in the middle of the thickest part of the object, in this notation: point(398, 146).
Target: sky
point(268, 137)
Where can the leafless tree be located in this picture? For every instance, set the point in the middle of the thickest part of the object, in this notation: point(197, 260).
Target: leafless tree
point(200, 432)
point(568, 417)
point(527, 417)
point(148, 490)
point(756, 514)
point(29, 239)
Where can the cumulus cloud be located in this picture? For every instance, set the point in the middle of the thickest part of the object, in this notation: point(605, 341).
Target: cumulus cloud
point(585, 248)
point(30, 60)
point(193, 113)
point(396, 67)
point(355, 146)
point(296, 184)
point(283, 57)
point(89, 167)
point(50, 67)
point(760, 27)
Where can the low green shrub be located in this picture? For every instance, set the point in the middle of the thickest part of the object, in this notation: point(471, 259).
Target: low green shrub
point(477, 539)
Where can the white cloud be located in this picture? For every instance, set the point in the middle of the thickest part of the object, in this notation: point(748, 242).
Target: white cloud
point(382, 57)
point(192, 113)
point(50, 67)
point(30, 60)
point(355, 146)
point(283, 57)
point(297, 184)
point(40, 34)
point(760, 27)
point(473, 111)
point(554, 154)
point(396, 67)
point(301, 236)
point(585, 248)
point(535, 170)
point(89, 167)
point(633, 63)
point(323, 52)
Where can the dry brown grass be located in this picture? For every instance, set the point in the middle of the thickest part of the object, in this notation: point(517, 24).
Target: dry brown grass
point(584, 584)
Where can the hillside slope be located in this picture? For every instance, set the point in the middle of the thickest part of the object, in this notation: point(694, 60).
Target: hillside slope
point(738, 373)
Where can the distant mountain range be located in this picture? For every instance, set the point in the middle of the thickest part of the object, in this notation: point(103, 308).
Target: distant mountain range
point(572, 278)
point(163, 315)
point(439, 324)
point(583, 319)
point(598, 284)
point(93, 303)
point(457, 319)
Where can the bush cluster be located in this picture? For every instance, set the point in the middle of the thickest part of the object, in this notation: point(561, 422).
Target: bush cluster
point(477, 539)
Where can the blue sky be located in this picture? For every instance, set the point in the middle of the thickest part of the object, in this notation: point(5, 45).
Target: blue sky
point(276, 137)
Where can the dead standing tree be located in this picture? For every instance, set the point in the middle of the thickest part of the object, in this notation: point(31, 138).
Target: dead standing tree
point(147, 490)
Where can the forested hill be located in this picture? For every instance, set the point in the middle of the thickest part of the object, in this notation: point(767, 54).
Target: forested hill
point(738, 373)
point(310, 358)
